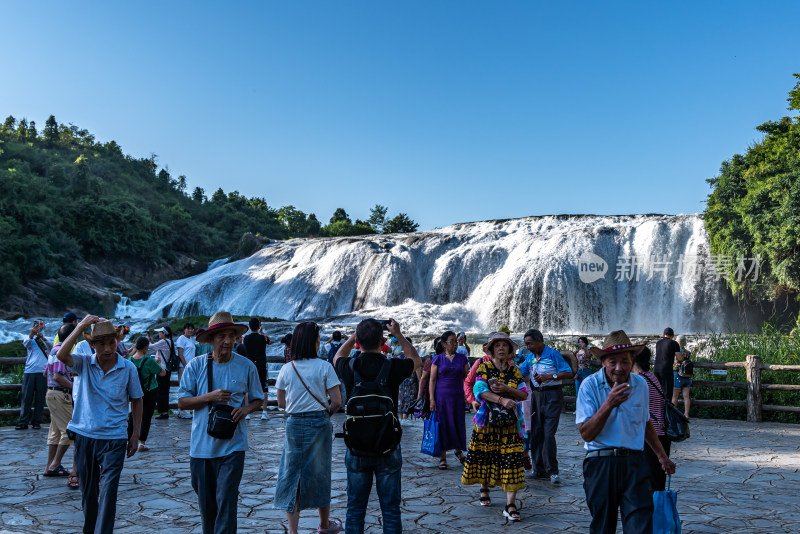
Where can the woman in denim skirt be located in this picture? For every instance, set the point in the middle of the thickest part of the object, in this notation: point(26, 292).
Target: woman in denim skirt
point(305, 385)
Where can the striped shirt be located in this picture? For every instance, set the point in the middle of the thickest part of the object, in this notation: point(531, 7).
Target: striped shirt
point(657, 402)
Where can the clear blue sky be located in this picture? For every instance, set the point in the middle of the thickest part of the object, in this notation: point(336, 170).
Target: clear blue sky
point(449, 111)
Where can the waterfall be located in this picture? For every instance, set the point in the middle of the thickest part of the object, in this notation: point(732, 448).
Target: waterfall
point(561, 274)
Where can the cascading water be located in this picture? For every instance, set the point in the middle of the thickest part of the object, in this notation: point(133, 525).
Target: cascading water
point(531, 272)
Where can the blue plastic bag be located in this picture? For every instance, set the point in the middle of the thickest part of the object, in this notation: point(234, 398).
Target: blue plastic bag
point(431, 443)
point(665, 511)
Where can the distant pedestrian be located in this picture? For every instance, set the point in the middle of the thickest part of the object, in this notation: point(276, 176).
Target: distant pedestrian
point(69, 318)
point(167, 358)
point(613, 418)
point(384, 468)
point(287, 341)
point(667, 349)
point(546, 368)
point(682, 374)
point(147, 370)
point(186, 350)
point(122, 347)
point(304, 386)
point(256, 347)
point(462, 348)
point(229, 382)
point(34, 384)
point(584, 362)
point(106, 384)
point(59, 402)
point(408, 390)
point(448, 371)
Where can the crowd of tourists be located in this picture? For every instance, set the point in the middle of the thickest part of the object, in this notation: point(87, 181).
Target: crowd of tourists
point(102, 395)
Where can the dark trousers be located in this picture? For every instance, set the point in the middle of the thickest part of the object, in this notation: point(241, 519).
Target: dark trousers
point(658, 478)
point(163, 392)
point(216, 482)
point(613, 483)
point(34, 391)
point(545, 414)
point(99, 465)
point(148, 407)
point(386, 471)
point(666, 378)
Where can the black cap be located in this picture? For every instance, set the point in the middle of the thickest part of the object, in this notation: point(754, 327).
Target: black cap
point(69, 317)
point(669, 331)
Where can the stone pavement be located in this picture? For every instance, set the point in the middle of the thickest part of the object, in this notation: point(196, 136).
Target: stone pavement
point(732, 477)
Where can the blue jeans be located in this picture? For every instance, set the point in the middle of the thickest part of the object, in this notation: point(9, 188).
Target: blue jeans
point(583, 374)
point(387, 483)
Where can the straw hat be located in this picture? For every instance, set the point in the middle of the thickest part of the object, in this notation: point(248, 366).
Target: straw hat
point(102, 329)
point(220, 321)
point(499, 336)
point(614, 343)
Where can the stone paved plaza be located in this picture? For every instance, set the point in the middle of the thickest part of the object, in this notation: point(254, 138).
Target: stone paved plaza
point(732, 477)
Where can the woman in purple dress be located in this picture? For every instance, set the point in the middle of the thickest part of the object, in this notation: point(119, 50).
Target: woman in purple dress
point(448, 371)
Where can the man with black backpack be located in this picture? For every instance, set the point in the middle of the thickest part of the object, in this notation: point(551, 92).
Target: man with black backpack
point(372, 430)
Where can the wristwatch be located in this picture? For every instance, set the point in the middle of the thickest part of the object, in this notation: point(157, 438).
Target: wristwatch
point(555, 376)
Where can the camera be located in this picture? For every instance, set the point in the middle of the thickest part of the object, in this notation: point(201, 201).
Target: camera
point(36, 323)
point(385, 324)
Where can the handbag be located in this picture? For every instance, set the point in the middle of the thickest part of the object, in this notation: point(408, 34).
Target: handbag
point(420, 408)
point(220, 416)
point(665, 511)
point(676, 425)
point(431, 442)
point(500, 416)
point(324, 406)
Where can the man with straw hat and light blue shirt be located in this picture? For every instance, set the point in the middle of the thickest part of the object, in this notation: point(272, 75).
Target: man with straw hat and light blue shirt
point(107, 382)
point(222, 388)
point(613, 417)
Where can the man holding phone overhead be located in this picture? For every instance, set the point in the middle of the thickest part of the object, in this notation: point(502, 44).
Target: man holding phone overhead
point(613, 418)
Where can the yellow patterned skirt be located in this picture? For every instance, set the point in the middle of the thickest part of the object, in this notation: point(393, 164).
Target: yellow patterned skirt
point(494, 458)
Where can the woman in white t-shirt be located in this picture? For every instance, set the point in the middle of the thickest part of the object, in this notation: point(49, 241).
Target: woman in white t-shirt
point(304, 386)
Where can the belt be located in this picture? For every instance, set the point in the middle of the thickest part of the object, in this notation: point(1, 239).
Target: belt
point(546, 388)
point(613, 452)
point(58, 388)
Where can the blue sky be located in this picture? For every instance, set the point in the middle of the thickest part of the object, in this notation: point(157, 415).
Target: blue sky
point(448, 111)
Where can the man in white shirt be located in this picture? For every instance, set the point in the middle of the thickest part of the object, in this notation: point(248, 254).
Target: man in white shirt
point(186, 351)
point(34, 384)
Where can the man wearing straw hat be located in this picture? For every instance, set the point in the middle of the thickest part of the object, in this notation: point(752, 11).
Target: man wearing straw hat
point(100, 419)
point(217, 463)
point(613, 417)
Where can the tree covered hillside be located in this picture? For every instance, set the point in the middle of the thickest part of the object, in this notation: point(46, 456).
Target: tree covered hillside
point(66, 197)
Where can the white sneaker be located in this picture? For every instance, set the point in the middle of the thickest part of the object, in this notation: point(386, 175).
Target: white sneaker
point(264, 415)
point(554, 479)
point(184, 414)
point(247, 417)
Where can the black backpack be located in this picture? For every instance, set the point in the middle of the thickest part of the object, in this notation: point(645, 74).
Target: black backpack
point(371, 427)
point(686, 369)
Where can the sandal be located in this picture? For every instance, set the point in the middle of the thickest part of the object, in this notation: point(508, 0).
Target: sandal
point(143, 448)
point(512, 515)
point(461, 457)
point(442, 464)
point(57, 472)
point(72, 481)
point(484, 499)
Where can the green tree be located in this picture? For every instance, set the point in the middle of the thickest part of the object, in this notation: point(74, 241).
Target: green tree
point(340, 215)
point(9, 124)
point(22, 129)
point(50, 131)
point(754, 211)
point(402, 223)
point(32, 133)
point(377, 218)
point(293, 220)
point(199, 195)
point(182, 183)
point(313, 225)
